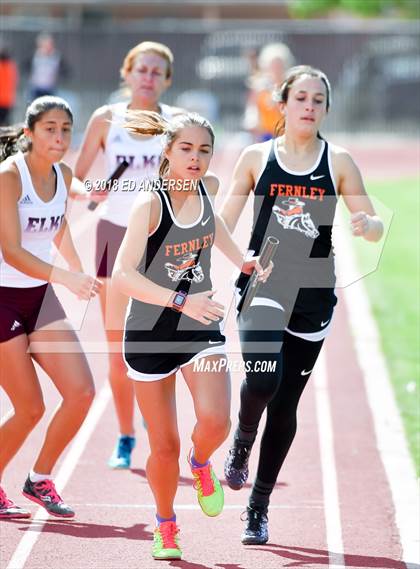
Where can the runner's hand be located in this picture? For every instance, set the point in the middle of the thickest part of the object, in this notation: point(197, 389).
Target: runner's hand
point(359, 223)
point(253, 264)
point(200, 306)
point(83, 286)
point(98, 196)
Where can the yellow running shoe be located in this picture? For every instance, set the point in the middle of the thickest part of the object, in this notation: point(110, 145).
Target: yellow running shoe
point(166, 541)
point(209, 490)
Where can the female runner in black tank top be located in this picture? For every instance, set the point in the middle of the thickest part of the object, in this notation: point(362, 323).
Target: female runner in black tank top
point(172, 319)
point(296, 179)
point(147, 71)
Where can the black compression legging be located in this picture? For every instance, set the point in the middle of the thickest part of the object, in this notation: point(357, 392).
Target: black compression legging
point(278, 391)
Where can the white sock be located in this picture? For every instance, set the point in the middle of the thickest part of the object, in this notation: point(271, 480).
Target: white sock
point(35, 477)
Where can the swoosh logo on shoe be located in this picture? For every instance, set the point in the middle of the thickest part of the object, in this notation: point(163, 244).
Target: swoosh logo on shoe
point(313, 178)
point(205, 222)
point(324, 323)
point(215, 341)
point(304, 372)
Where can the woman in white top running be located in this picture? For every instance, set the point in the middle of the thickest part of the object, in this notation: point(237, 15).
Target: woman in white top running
point(147, 72)
point(34, 186)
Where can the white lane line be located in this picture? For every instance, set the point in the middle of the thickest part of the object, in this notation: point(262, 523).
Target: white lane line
point(6, 416)
point(389, 430)
point(329, 472)
point(191, 506)
point(26, 544)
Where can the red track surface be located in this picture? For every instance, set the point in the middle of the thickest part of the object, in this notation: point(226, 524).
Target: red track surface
point(115, 514)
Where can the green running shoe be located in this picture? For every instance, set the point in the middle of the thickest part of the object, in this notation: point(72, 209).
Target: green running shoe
point(166, 541)
point(209, 490)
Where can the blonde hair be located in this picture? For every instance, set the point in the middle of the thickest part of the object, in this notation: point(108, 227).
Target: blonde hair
point(281, 93)
point(274, 51)
point(148, 47)
point(151, 123)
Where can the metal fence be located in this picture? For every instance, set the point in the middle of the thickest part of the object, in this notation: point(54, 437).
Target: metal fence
point(374, 69)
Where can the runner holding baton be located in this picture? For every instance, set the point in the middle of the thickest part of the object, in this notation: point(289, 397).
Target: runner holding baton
point(118, 172)
point(268, 251)
point(289, 319)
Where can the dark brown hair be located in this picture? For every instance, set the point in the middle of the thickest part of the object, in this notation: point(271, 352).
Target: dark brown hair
point(281, 92)
point(12, 138)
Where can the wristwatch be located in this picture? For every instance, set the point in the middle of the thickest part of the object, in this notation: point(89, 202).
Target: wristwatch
point(179, 300)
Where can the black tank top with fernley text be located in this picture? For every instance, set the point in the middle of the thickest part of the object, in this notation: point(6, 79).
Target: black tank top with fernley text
point(177, 257)
point(298, 209)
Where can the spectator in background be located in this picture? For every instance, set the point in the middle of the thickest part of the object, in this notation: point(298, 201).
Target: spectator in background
point(147, 72)
point(8, 83)
point(261, 112)
point(46, 67)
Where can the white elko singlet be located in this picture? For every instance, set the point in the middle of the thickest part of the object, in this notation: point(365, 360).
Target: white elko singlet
point(143, 155)
point(39, 221)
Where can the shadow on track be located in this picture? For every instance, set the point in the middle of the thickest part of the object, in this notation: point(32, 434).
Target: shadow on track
point(303, 556)
point(90, 530)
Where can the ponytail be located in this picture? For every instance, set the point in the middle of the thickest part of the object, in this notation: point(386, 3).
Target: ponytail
point(146, 123)
point(149, 123)
point(280, 127)
point(163, 167)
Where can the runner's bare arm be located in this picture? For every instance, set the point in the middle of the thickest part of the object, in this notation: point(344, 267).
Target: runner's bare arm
point(15, 255)
point(10, 230)
point(364, 221)
point(125, 275)
point(93, 142)
point(243, 181)
point(63, 239)
point(224, 241)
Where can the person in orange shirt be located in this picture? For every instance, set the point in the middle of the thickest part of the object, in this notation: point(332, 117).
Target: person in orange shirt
point(8, 84)
point(261, 112)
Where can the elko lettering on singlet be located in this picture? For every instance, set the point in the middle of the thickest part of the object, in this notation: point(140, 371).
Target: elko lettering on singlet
point(37, 224)
point(289, 190)
point(178, 249)
point(150, 161)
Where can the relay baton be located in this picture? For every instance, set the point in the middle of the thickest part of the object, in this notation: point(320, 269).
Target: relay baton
point(267, 253)
point(116, 174)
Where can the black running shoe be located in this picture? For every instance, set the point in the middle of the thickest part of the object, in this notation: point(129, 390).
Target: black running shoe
point(236, 464)
point(45, 494)
point(256, 531)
